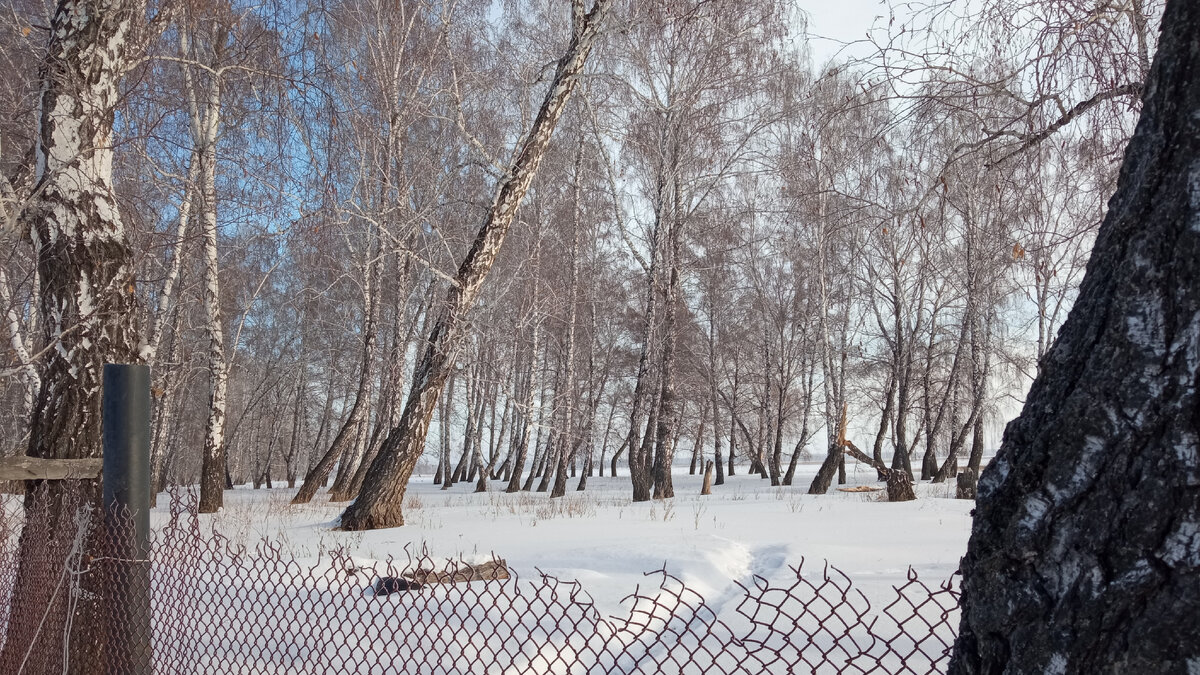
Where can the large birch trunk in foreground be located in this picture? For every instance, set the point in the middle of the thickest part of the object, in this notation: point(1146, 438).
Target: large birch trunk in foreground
point(86, 293)
point(1085, 551)
point(84, 260)
point(382, 496)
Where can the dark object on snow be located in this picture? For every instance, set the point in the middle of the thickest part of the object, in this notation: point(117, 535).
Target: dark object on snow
point(966, 484)
point(389, 585)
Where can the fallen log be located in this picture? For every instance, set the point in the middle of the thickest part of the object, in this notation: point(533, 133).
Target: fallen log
point(461, 573)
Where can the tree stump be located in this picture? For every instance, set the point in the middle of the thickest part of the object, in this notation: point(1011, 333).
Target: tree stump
point(899, 488)
point(966, 484)
point(706, 489)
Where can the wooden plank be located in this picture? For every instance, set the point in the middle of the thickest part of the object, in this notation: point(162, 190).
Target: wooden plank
point(36, 468)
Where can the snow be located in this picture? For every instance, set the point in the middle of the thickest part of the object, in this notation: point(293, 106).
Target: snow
point(746, 528)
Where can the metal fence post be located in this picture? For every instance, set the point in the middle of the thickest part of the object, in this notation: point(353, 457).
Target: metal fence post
point(125, 422)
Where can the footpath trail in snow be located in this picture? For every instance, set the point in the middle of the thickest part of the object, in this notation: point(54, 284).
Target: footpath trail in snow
point(607, 543)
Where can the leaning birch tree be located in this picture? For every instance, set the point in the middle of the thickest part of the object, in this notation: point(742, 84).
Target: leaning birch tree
point(381, 499)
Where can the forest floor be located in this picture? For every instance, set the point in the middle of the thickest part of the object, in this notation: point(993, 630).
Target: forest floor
point(598, 537)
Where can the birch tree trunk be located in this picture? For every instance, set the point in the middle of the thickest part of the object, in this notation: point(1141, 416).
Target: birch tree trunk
point(1084, 553)
point(381, 500)
point(299, 419)
point(165, 383)
point(903, 375)
point(714, 405)
point(205, 125)
point(344, 441)
point(84, 261)
point(668, 413)
point(809, 368)
point(832, 380)
point(526, 425)
point(18, 340)
point(212, 478)
point(586, 439)
point(502, 471)
point(567, 436)
point(639, 465)
point(87, 297)
point(396, 360)
point(446, 408)
point(538, 448)
point(169, 382)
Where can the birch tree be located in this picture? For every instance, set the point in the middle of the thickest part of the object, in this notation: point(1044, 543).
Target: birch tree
point(204, 41)
point(1083, 554)
point(84, 261)
point(86, 284)
point(381, 500)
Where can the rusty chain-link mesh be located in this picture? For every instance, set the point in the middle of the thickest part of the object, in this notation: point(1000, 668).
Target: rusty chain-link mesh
point(70, 592)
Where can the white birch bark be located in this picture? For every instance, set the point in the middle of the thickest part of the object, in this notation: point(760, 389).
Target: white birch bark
point(84, 262)
point(205, 122)
point(18, 340)
point(87, 293)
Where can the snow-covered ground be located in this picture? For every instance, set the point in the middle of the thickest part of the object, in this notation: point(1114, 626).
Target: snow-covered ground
point(606, 542)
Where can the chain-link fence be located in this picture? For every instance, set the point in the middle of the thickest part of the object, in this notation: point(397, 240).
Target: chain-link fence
point(70, 596)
